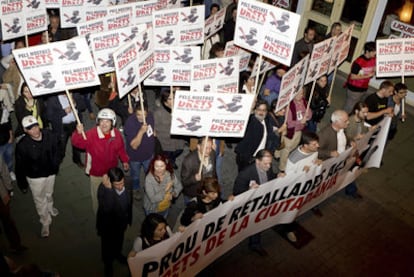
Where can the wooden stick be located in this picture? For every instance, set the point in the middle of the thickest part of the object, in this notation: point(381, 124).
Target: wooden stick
point(141, 101)
point(262, 79)
point(75, 112)
point(310, 98)
point(332, 83)
point(403, 100)
point(202, 155)
point(256, 81)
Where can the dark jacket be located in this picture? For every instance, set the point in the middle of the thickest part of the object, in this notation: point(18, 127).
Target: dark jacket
point(198, 206)
point(252, 137)
point(114, 211)
point(242, 182)
point(35, 159)
point(190, 167)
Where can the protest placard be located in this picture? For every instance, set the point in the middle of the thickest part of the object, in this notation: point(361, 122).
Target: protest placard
point(395, 57)
point(212, 114)
point(214, 23)
point(232, 49)
point(179, 27)
point(320, 59)
point(291, 83)
point(173, 66)
point(266, 30)
point(126, 61)
point(216, 75)
point(57, 66)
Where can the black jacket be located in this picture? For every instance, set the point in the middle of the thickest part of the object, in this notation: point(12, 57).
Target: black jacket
point(114, 211)
point(242, 182)
point(36, 159)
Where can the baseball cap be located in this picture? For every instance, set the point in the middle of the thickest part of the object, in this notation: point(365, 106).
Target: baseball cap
point(29, 121)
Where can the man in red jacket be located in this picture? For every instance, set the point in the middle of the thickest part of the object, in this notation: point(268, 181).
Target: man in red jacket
point(104, 147)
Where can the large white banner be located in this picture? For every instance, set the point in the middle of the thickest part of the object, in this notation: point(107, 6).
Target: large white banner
point(212, 114)
point(57, 66)
point(395, 57)
point(179, 27)
point(173, 66)
point(266, 30)
point(278, 201)
point(216, 75)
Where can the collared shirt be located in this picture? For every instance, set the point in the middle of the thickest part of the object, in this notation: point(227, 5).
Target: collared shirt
point(340, 135)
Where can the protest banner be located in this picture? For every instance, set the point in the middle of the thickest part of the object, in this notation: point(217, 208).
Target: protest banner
point(406, 30)
point(179, 27)
point(143, 10)
point(13, 23)
point(216, 75)
point(145, 43)
point(93, 13)
point(346, 44)
point(278, 201)
point(320, 59)
point(173, 66)
point(72, 12)
point(210, 114)
point(113, 22)
point(395, 57)
point(121, 9)
point(103, 44)
point(126, 61)
point(214, 23)
point(267, 30)
point(19, 18)
point(264, 67)
point(232, 49)
point(57, 66)
point(291, 82)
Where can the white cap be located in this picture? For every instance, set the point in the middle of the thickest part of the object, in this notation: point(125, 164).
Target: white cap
point(29, 121)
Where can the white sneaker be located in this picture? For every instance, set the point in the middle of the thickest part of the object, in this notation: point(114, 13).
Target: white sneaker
point(291, 237)
point(54, 212)
point(44, 233)
point(12, 176)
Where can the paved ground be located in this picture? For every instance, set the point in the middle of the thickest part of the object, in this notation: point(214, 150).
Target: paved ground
point(371, 237)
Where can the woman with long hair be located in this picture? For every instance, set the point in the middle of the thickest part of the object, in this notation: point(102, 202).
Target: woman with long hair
point(154, 229)
point(25, 105)
point(161, 186)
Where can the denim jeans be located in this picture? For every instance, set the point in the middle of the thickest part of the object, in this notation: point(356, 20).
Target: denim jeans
point(135, 167)
point(6, 152)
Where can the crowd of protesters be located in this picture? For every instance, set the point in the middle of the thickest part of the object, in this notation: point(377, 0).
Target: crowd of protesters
point(141, 141)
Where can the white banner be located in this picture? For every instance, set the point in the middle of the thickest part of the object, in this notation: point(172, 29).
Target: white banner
point(216, 75)
point(173, 66)
point(407, 30)
point(212, 114)
point(57, 66)
point(278, 201)
point(266, 30)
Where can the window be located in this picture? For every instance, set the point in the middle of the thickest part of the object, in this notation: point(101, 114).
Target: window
point(323, 6)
